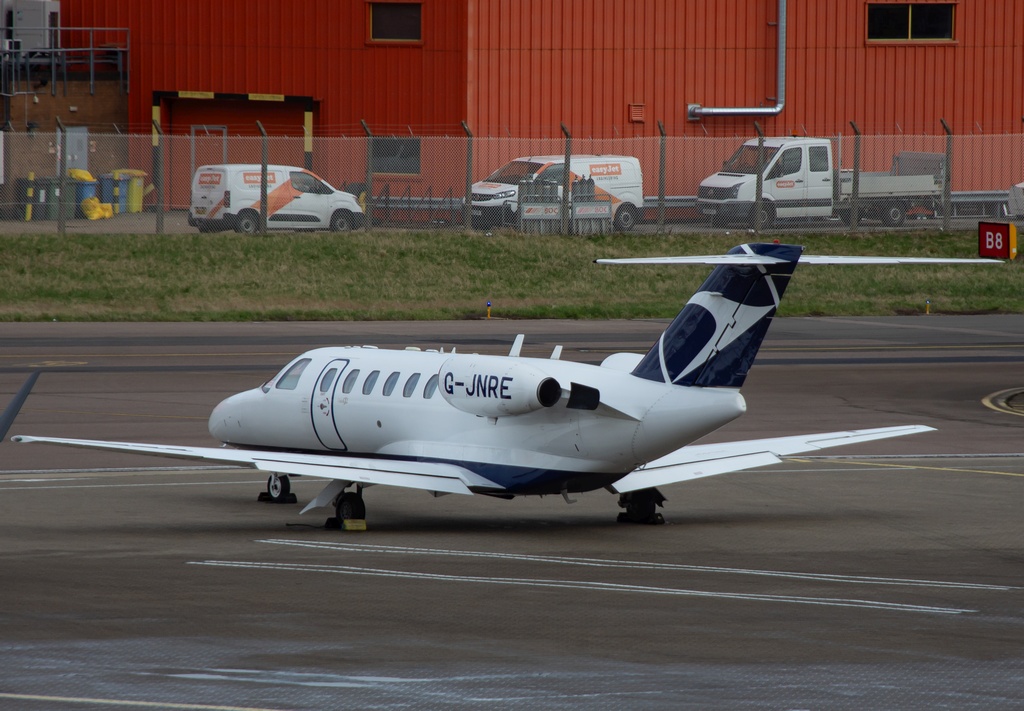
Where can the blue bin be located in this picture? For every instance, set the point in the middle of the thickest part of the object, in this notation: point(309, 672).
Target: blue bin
point(114, 189)
point(83, 189)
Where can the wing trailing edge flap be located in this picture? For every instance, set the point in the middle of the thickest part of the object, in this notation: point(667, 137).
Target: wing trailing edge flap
point(429, 476)
point(696, 461)
point(648, 478)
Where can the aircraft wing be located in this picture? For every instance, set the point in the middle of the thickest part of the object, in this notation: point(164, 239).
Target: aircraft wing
point(696, 461)
point(429, 476)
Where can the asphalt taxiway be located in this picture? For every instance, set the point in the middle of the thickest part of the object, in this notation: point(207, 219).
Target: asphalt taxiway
point(890, 575)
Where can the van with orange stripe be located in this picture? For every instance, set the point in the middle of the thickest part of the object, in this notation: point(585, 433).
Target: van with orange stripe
point(614, 178)
point(227, 196)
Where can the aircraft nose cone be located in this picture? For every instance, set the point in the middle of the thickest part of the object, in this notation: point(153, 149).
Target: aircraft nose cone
point(225, 419)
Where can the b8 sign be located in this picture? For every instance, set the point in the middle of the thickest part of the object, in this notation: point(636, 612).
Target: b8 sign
point(997, 240)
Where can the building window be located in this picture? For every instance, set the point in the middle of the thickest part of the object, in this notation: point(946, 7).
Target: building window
point(909, 22)
point(395, 155)
point(395, 22)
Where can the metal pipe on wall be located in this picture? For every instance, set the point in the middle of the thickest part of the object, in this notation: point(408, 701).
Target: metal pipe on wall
point(695, 112)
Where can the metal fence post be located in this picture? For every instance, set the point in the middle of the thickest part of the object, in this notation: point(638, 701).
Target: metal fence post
point(565, 180)
point(855, 195)
point(158, 175)
point(467, 205)
point(947, 177)
point(263, 178)
point(368, 217)
point(62, 178)
point(758, 196)
point(661, 179)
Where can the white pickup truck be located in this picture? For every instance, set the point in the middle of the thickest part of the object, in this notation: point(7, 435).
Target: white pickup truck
point(799, 181)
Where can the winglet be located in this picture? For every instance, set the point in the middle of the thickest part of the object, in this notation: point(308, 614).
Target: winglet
point(12, 410)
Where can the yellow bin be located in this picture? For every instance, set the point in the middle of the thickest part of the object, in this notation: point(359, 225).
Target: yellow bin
point(136, 186)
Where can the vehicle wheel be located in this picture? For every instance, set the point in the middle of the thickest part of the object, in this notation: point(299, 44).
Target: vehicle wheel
point(894, 215)
point(767, 215)
point(278, 487)
point(341, 221)
point(626, 218)
point(247, 222)
point(350, 505)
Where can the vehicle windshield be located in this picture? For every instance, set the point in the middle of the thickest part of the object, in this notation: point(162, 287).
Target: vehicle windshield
point(514, 173)
point(744, 160)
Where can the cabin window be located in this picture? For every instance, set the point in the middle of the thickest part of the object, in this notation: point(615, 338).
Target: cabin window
point(371, 380)
point(350, 381)
point(910, 22)
point(290, 378)
point(396, 22)
point(410, 385)
point(430, 388)
point(325, 382)
point(389, 384)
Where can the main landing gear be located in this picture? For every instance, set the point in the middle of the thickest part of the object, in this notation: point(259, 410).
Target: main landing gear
point(279, 490)
point(640, 507)
point(350, 511)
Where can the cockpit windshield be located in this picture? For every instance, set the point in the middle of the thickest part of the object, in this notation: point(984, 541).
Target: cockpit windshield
point(289, 377)
point(744, 160)
point(515, 172)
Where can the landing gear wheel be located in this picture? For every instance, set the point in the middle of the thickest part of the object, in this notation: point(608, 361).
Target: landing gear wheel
point(641, 507)
point(279, 490)
point(350, 506)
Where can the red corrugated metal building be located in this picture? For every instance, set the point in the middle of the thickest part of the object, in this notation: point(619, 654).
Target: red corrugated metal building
point(603, 67)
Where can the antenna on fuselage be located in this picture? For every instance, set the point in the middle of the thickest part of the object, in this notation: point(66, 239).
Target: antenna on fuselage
point(517, 346)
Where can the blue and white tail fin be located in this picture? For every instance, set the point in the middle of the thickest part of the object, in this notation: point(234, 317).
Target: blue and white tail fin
point(714, 339)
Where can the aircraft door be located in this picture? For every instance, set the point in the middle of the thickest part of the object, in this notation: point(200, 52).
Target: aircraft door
point(322, 405)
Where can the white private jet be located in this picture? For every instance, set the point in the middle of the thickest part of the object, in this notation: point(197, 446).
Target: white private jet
point(505, 426)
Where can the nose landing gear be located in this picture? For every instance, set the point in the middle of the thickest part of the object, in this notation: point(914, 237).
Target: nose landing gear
point(279, 490)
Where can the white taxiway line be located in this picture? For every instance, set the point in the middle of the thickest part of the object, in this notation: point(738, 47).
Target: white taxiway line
point(80, 700)
point(584, 585)
point(125, 486)
point(643, 565)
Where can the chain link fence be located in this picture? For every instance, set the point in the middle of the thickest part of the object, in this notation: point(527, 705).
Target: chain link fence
point(153, 183)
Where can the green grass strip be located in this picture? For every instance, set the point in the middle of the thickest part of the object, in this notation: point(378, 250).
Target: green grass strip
point(440, 275)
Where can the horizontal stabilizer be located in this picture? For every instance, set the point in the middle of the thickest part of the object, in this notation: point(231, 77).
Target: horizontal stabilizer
point(702, 460)
point(818, 259)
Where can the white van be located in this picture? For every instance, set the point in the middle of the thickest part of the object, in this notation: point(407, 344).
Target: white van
point(227, 196)
point(496, 198)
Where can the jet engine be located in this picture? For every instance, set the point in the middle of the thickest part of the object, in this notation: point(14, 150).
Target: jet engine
point(495, 387)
